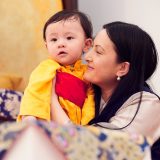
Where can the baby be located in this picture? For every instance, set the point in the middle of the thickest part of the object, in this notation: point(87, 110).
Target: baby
point(67, 34)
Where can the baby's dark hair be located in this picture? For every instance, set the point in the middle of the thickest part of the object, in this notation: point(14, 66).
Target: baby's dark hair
point(67, 14)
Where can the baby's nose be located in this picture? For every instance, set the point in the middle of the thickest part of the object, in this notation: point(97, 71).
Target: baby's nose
point(61, 43)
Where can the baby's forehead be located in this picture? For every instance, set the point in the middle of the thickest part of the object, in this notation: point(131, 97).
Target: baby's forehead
point(72, 19)
point(70, 26)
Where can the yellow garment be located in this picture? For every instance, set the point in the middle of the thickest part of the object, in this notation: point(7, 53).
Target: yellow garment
point(37, 96)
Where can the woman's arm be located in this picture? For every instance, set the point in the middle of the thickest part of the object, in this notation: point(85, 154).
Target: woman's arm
point(57, 113)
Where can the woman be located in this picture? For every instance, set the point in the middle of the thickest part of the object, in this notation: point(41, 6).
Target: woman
point(122, 59)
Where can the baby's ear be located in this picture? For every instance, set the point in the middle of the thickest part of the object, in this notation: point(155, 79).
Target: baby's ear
point(45, 43)
point(87, 45)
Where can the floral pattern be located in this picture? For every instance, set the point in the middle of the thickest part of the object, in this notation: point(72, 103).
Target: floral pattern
point(9, 104)
point(77, 142)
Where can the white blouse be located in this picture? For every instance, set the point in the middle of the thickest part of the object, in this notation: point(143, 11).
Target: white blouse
point(147, 120)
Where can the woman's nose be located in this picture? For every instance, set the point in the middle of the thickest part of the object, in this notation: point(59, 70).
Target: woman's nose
point(88, 56)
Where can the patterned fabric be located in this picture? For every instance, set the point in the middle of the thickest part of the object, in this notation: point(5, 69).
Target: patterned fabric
point(9, 104)
point(87, 143)
point(91, 143)
point(8, 133)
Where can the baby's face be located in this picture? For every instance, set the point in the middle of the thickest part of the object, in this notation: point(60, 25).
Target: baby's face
point(65, 41)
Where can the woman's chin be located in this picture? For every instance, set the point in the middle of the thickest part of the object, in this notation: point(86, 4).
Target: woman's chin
point(87, 77)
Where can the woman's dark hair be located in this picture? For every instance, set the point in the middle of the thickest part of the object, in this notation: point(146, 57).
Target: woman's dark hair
point(68, 14)
point(135, 46)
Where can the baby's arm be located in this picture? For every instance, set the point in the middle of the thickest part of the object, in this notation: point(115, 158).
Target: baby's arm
point(37, 95)
point(57, 113)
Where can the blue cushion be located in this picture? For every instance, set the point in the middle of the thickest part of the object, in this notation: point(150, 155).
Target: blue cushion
point(9, 104)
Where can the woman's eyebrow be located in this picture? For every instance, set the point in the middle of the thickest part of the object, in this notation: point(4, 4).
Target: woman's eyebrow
point(99, 47)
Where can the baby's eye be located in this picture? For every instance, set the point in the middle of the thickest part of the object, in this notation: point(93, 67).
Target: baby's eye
point(54, 39)
point(69, 38)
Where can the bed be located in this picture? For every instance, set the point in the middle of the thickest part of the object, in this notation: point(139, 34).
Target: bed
point(73, 142)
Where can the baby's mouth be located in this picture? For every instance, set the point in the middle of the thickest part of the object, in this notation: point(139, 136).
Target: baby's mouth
point(62, 52)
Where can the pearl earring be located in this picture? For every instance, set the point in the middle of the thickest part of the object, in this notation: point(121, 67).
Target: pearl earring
point(118, 78)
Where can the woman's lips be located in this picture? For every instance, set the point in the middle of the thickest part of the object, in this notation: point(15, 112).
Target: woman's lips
point(89, 68)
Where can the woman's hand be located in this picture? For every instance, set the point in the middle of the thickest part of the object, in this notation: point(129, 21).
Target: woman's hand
point(57, 113)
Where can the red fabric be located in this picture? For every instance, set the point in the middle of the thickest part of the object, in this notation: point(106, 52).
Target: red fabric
point(71, 88)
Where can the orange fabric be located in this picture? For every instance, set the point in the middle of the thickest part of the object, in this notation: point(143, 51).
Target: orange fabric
point(37, 96)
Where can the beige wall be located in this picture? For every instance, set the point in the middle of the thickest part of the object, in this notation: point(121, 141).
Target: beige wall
point(21, 42)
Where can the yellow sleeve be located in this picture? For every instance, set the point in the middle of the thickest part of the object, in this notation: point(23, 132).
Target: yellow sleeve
point(88, 110)
point(36, 99)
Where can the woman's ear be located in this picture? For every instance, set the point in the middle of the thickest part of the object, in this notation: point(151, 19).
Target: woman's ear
point(87, 45)
point(123, 69)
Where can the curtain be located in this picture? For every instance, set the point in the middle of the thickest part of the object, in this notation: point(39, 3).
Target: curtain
point(21, 27)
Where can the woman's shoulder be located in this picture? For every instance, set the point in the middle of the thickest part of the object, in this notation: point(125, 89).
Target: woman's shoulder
point(147, 115)
point(149, 100)
point(146, 96)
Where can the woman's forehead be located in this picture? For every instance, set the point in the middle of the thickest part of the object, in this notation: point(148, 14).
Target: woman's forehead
point(101, 36)
point(102, 39)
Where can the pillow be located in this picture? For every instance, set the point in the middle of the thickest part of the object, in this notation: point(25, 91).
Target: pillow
point(9, 104)
point(10, 81)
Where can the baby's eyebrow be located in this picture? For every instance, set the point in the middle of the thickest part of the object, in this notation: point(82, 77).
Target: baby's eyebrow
point(69, 33)
point(53, 34)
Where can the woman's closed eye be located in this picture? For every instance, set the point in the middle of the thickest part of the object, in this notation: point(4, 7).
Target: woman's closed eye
point(98, 51)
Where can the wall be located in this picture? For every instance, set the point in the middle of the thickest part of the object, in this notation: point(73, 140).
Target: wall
point(144, 13)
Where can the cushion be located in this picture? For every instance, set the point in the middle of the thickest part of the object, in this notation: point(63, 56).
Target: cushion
point(77, 142)
point(9, 104)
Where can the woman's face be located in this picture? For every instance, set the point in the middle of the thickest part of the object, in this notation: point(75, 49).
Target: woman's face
point(102, 62)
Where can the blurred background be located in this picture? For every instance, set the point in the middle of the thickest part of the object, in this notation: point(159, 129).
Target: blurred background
point(21, 26)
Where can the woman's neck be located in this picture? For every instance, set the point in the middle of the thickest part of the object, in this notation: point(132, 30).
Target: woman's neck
point(107, 92)
point(106, 95)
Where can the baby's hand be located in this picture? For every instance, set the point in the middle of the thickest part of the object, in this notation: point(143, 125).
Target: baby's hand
point(28, 119)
